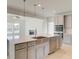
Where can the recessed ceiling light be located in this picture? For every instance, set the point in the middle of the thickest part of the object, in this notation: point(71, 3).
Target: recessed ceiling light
point(39, 5)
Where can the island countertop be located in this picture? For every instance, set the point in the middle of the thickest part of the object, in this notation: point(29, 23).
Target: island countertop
point(28, 39)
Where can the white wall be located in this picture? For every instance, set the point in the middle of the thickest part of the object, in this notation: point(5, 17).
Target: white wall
point(33, 23)
point(51, 24)
point(27, 23)
point(45, 30)
point(48, 26)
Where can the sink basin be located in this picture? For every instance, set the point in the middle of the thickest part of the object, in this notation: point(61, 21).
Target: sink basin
point(39, 37)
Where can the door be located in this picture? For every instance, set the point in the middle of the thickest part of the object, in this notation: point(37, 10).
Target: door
point(21, 54)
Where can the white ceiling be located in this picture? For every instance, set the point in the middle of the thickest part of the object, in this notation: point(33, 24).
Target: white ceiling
point(51, 6)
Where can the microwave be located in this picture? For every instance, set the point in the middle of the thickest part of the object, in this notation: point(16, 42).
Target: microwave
point(59, 28)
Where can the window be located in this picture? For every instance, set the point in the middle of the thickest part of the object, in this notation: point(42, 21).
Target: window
point(13, 31)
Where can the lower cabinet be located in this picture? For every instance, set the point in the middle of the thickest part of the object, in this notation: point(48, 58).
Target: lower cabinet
point(40, 52)
point(21, 54)
point(32, 52)
point(21, 51)
point(52, 44)
point(59, 42)
point(46, 49)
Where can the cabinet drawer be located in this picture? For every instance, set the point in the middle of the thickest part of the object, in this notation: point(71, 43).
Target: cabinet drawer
point(20, 46)
point(31, 44)
point(39, 41)
point(45, 40)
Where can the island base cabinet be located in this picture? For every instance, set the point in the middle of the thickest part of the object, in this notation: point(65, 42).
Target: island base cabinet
point(40, 52)
point(31, 52)
point(46, 49)
point(59, 43)
point(21, 54)
point(53, 45)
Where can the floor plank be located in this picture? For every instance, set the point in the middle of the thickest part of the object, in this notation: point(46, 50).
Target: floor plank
point(64, 53)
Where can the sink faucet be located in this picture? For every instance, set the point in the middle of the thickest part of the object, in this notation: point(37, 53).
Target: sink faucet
point(35, 32)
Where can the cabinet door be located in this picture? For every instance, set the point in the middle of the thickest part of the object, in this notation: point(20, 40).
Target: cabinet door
point(31, 52)
point(68, 25)
point(21, 54)
point(59, 42)
point(53, 44)
point(46, 49)
point(59, 20)
point(40, 52)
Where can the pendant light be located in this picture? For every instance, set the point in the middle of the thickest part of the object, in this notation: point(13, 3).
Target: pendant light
point(24, 7)
point(24, 19)
point(43, 11)
point(35, 15)
point(35, 9)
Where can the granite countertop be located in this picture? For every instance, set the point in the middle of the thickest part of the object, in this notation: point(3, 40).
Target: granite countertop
point(28, 39)
point(22, 40)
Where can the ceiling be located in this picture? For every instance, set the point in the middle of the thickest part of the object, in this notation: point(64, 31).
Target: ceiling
point(51, 7)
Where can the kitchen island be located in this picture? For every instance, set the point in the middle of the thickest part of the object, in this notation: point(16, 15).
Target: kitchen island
point(35, 48)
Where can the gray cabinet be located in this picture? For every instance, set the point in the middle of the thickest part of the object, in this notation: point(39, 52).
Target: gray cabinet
point(21, 51)
point(59, 42)
point(52, 44)
point(21, 54)
point(68, 29)
point(31, 53)
point(42, 48)
point(31, 50)
point(59, 20)
point(46, 48)
point(40, 52)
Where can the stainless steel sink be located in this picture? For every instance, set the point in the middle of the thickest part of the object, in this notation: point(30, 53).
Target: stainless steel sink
point(38, 37)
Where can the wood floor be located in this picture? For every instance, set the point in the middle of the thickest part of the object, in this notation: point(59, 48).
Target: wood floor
point(64, 53)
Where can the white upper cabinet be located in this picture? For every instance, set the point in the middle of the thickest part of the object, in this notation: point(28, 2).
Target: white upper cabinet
point(59, 20)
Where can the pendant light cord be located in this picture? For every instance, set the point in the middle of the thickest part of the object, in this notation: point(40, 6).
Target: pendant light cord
point(24, 7)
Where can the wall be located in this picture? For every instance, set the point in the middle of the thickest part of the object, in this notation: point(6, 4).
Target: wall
point(33, 23)
point(51, 24)
point(47, 23)
point(45, 26)
point(28, 23)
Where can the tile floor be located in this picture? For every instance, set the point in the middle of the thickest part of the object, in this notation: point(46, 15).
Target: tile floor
point(64, 53)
